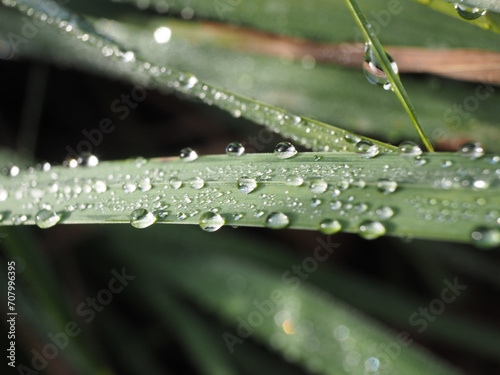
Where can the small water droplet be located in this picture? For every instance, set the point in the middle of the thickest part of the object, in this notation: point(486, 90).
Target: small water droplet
point(4, 194)
point(372, 364)
point(87, 160)
point(196, 183)
point(472, 150)
point(318, 186)
point(188, 154)
point(277, 220)
point(486, 238)
point(99, 186)
point(162, 35)
point(246, 185)
point(210, 222)
point(11, 170)
point(373, 68)
point(370, 230)
point(361, 207)
point(235, 149)
point(409, 148)
point(315, 202)
point(335, 205)
point(367, 149)
point(384, 212)
point(329, 226)
point(175, 183)
point(469, 13)
point(46, 218)
point(129, 187)
point(145, 184)
point(293, 180)
point(285, 150)
point(19, 219)
point(387, 186)
point(419, 161)
point(142, 218)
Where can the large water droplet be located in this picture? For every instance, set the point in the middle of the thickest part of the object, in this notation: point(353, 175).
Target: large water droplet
point(318, 186)
point(188, 154)
point(373, 68)
point(246, 185)
point(370, 230)
point(367, 149)
point(285, 150)
point(387, 186)
point(235, 149)
point(277, 220)
point(175, 183)
point(142, 218)
point(409, 148)
point(129, 187)
point(293, 180)
point(210, 222)
point(384, 212)
point(145, 184)
point(472, 150)
point(100, 186)
point(329, 226)
point(196, 183)
point(486, 238)
point(46, 218)
point(469, 13)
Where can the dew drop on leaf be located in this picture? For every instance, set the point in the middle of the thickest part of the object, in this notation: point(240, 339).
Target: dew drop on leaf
point(144, 184)
point(486, 238)
point(4, 194)
point(373, 68)
point(188, 154)
point(277, 220)
point(246, 185)
point(469, 13)
point(293, 180)
point(235, 149)
point(285, 150)
point(367, 149)
point(196, 183)
point(387, 186)
point(142, 218)
point(87, 160)
point(384, 212)
point(175, 183)
point(129, 187)
point(409, 148)
point(318, 186)
point(329, 226)
point(370, 230)
point(210, 221)
point(46, 218)
point(472, 150)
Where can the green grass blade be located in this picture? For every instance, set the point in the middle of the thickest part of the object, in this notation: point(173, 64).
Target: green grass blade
point(396, 85)
point(245, 190)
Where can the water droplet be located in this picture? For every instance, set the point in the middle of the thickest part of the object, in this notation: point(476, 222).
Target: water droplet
point(235, 149)
point(145, 184)
point(293, 180)
point(335, 205)
point(12, 170)
point(285, 150)
point(99, 186)
point(384, 212)
point(46, 218)
point(142, 218)
point(162, 35)
point(4, 194)
point(175, 183)
point(367, 149)
point(188, 154)
point(469, 13)
point(129, 187)
point(329, 226)
point(408, 148)
point(486, 238)
point(210, 222)
point(128, 56)
point(372, 364)
point(472, 150)
point(370, 230)
point(315, 202)
point(19, 219)
point(87, 160)
point(277, 220)
point(387, 186)
point(419, 161)
point(361, 207)
point(318, 186)
point(246, 185)
point(196, 183)
point(373, 68)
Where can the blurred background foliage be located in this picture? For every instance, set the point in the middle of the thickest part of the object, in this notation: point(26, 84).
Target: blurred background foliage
point(191, 286)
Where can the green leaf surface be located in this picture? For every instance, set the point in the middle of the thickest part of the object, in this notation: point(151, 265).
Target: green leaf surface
point(398, 195)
